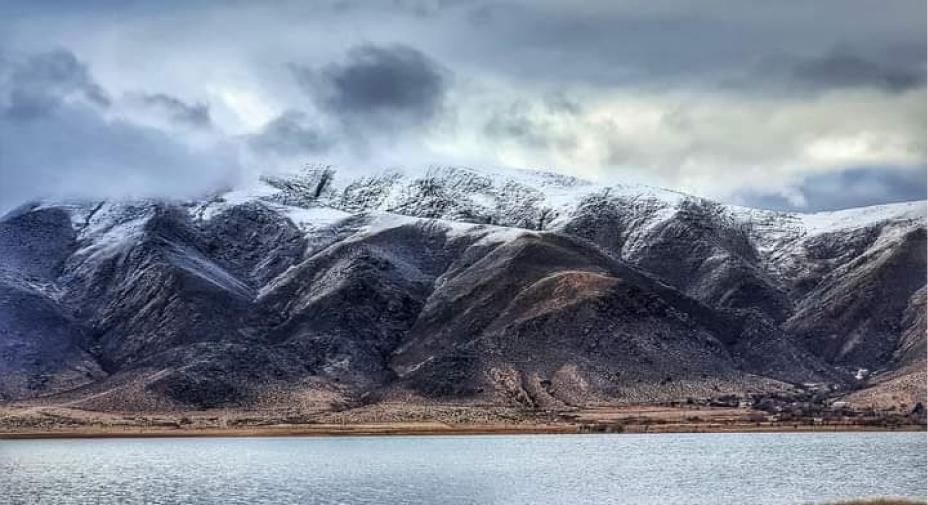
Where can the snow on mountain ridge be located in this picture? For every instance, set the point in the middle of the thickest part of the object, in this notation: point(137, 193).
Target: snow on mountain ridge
point(822, 222)
point(532, 199)
point(319, 195)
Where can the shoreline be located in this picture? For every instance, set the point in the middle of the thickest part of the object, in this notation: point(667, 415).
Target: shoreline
point(408, 420)
point(430, 429)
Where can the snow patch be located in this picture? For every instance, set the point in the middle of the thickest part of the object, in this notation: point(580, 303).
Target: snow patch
point(313, 218)
point(825, 222)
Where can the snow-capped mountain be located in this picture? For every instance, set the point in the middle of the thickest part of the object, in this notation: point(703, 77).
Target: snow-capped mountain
point(452, 284)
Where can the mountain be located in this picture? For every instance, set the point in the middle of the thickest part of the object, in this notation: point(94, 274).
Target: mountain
point(321, 291)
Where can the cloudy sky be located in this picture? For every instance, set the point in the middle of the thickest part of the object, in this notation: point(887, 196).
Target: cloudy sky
point(785, 104)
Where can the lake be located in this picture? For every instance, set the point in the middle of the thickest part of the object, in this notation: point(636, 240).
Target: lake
point(759, 468)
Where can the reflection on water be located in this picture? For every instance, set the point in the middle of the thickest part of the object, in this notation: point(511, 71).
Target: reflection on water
point(769, 468)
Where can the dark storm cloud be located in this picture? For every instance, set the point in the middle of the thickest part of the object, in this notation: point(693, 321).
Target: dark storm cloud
point(37, 85)
point(670, 43)
point(892, 70)
point(76, 152)
point(743, 83)
point(290, 134)
point(196, 114)
point(847, 70)
point(395, 85)
point(53, 145)
point(854, 187)
point(682, 44)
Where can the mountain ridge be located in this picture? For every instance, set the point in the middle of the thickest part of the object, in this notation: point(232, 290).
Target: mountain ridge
point(526, 289)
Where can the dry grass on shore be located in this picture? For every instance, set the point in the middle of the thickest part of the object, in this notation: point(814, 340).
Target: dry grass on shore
point(403, 419)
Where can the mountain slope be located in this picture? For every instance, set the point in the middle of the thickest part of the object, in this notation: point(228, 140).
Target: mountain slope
point(453, 285)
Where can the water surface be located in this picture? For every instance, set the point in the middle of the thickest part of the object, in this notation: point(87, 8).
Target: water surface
point(692, 469)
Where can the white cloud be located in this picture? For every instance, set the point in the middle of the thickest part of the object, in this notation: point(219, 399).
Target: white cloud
point(713, 100)
point(708, 143)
